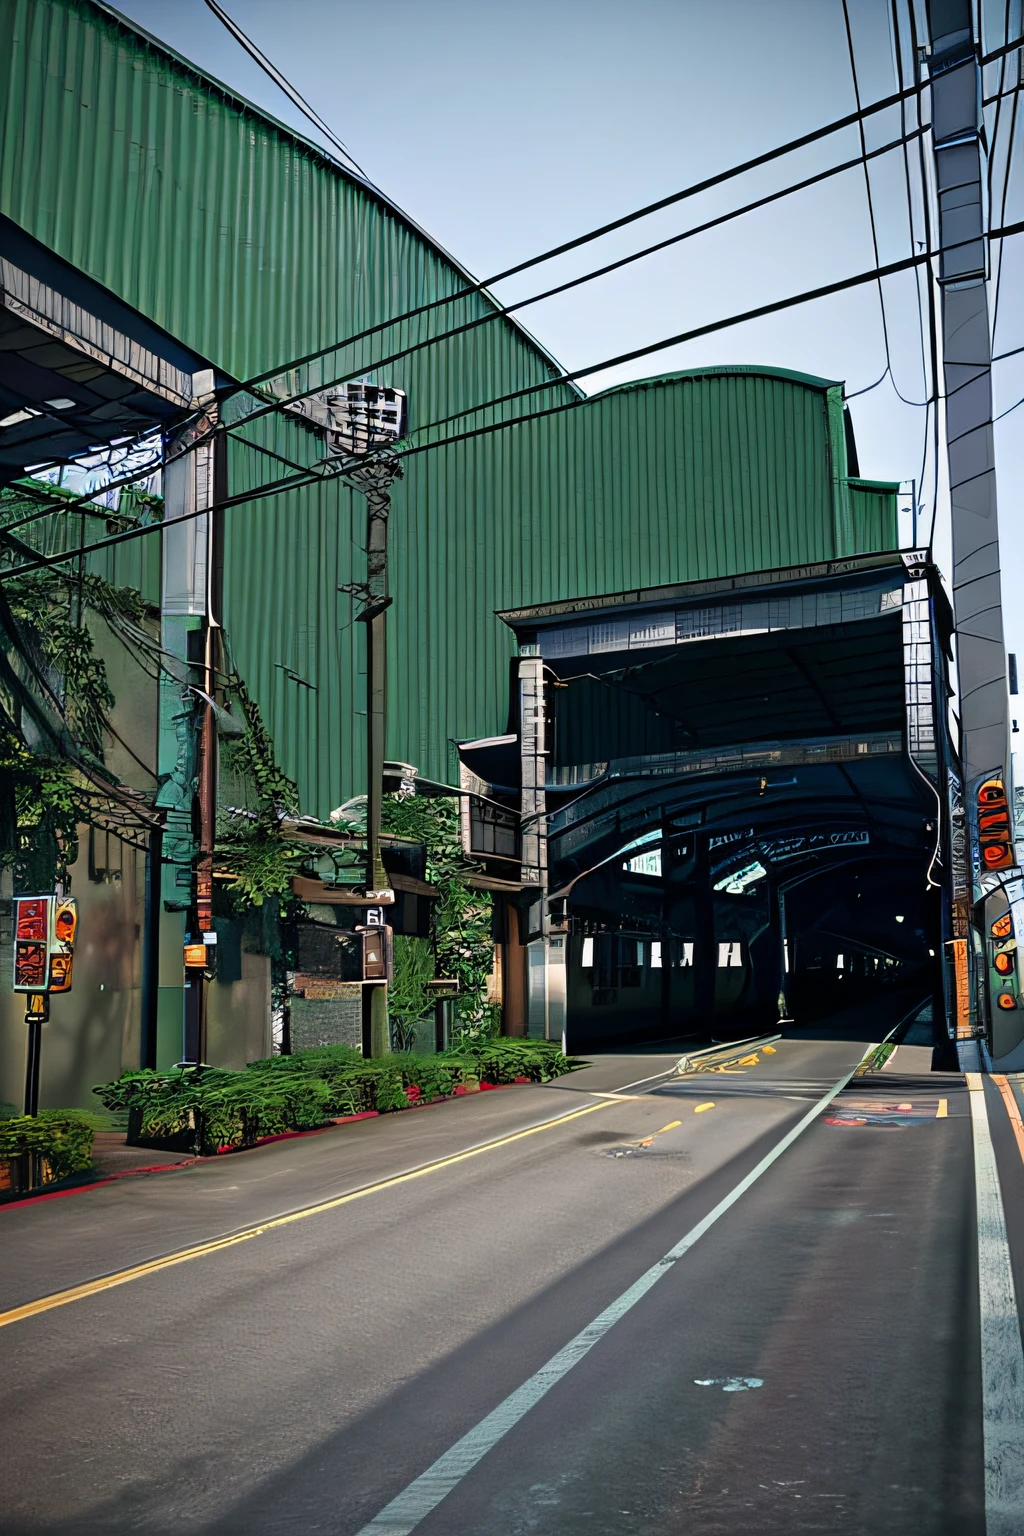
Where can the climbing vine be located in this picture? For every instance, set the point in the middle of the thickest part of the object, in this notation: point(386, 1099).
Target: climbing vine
point(462, 943)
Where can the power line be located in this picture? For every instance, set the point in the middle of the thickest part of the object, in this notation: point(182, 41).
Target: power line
point(899, 97)
point(285, 85)
point(905, 264)
point(318, 475)
point(1006, 182)
point(933, 317)
point(708, 184)
point(849, 121)
point(586, 277)
point(53, 505)
point(301, 480)
point(898, 49)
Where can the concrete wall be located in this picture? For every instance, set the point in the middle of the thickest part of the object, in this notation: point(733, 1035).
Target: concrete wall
point(94, 1030)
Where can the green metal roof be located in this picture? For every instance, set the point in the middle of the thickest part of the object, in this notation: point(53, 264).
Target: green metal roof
point(748, 369)
point(252, 247)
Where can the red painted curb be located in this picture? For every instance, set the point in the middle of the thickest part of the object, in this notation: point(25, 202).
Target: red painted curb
point(315, 1130)
point(111, 1178)
point(366, 1114)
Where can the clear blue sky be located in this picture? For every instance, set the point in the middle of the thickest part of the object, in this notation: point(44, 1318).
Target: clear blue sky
point(506, 126)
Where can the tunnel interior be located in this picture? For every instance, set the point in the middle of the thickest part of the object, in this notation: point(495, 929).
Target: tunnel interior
point(756, 843)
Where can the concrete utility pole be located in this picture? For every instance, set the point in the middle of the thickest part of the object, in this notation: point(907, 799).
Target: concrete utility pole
point(374, 480)
point(190, 608)
point(959, 153)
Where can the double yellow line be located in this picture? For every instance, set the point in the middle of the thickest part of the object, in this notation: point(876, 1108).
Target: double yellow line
point(219, 1244)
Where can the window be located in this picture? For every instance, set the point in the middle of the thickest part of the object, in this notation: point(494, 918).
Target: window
point(588, 953)
point(655, 955)
point(645, 864)
point(687, 952)
point(730, 955)
point(493, 831)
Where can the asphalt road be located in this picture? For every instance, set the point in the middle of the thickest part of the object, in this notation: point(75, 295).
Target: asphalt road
point(810, 1363)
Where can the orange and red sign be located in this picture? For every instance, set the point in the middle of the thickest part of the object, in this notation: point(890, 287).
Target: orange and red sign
point(44, 941)
point(994, 830)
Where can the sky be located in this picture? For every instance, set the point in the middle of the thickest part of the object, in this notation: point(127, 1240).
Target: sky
point(504, 127)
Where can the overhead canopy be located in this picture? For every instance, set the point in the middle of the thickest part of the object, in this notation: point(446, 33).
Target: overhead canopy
point(79, 369)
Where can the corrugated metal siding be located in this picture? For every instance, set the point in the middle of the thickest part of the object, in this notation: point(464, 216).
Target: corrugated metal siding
point(251, 250)
point(677, 481)
point(875, 518)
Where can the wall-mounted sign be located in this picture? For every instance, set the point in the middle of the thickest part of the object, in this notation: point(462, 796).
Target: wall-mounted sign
point(442, 986)
point(994, 832)
point(195, 956)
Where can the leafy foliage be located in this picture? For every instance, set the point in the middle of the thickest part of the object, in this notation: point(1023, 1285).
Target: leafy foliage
point(461, 916)
point(45, 796)
point(207, 1108)
point(49, 606)
point(61, 1136)
point(48, 804)
point(409, 1003)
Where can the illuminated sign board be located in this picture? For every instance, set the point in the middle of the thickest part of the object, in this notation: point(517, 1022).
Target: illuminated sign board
point(994, 832)
point(44, 939)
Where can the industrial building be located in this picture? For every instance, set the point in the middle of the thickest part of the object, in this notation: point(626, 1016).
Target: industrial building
point(176, 261)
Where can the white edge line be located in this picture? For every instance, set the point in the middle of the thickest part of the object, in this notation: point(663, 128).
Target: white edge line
point(1002, 1355)
point(424, 1493)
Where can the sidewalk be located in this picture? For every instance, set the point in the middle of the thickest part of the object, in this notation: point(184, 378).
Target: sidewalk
point(111, 1156)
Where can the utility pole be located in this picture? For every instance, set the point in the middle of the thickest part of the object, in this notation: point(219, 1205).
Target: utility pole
point(374, 480)
point(959, 156)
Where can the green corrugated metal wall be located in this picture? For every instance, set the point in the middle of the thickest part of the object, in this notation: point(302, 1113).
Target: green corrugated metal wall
point(252, 249)
point(873, 504)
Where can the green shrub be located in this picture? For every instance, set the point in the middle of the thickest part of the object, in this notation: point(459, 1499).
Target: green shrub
point(206, 1108)
point(61, 1136)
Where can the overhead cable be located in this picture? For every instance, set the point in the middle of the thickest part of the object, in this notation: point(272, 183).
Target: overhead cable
point(285, 85)
point(1011, 143)
point(51, 504)
point(318, 475)
point(851, 120)
point(858, 280)
point(933, 314)
point(871, 201)
point(623, 261)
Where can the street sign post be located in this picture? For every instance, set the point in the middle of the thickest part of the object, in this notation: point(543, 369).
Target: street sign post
point(45, 928)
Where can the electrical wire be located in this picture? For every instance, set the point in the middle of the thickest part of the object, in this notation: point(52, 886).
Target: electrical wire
point(933, 315)
point(905, 93)
point(774, 307)
point(301, 480)
point(708, 184)
point(1006, 182)
point(502, 312)
point(53, 504)
point(870, 198)
point(1009, 408)
point(285, 85)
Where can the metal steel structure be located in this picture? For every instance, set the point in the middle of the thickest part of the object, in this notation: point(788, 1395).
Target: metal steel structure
point(960, 156)
point(282, 251)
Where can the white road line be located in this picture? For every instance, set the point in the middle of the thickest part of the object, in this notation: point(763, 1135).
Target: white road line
point(1002, 1356)
point(425, 1492)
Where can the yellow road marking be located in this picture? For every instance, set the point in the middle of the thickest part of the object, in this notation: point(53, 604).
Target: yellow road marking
point(1011, 1109)
point(670, 1127)
point(217, 1244)
point(942, 1112)
point(699, 1109)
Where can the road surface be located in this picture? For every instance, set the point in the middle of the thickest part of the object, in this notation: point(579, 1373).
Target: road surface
point(512, 1314)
